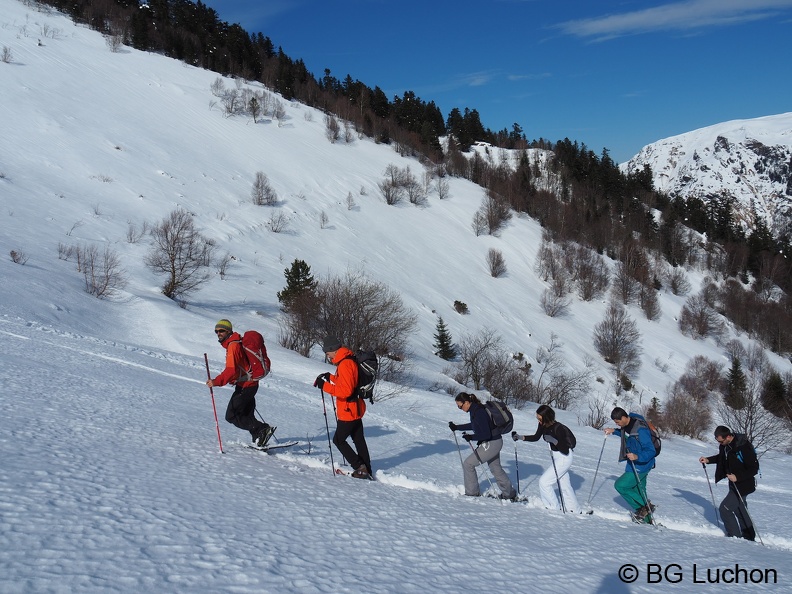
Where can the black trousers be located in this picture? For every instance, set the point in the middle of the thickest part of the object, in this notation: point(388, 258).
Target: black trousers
point(735, 517)
point(241, 410)
point(353, 429)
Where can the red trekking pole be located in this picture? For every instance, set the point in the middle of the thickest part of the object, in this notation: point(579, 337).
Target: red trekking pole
point(214, 408)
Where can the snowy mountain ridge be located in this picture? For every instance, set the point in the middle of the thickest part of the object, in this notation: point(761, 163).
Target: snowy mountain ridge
point(748, 160)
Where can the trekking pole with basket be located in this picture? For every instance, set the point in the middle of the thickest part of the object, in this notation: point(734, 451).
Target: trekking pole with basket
point(481, 463)
point(747, 513)
point(214, 408)
point(558, 480)
point(642, 492)
point(459, 450)
point(327, 427)
point(709, 484)
point(517, 466)
point(594, 480)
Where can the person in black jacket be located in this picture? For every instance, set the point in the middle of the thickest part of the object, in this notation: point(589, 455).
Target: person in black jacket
point(488, 450)
point(562, 442)
point(736, 460)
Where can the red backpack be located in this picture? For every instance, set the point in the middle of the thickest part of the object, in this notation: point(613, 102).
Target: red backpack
point(256, 353)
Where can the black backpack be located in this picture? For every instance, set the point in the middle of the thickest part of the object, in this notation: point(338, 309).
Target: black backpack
point(368, 366)
point(500, 416)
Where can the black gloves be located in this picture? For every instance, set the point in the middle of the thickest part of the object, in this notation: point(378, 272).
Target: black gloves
point(467, 436)
point(550, 439)
point(452, 425)
point(321, 379)
point(515, 437)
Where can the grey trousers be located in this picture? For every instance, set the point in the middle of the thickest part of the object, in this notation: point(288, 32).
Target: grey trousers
point(488, 452)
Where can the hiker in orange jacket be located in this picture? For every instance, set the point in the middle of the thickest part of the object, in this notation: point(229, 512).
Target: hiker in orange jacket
point(242, 405)
point(349, 408)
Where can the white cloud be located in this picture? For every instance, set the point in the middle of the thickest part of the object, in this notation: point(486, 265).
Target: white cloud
point(678, 16)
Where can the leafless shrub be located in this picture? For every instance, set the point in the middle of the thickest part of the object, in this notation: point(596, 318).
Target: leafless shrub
point(218, 87)
point(102, 272)
point(647, 297)
point(684, 414)
point(135, 234)
point(223, 264)
point(6, 55)
point(278, 222)
point(698, 320)
point(598, 413)
point(114, 42)
point(479, 224)
point(678, 282)
point(493, 214)
point(181, 253)
point(496, 263)
point(332, 128)
point(553, 383)
point(366, 314)
point(442, 187)
point(350, 201)
point(262, 193)
point(278, 110)
point(65, 252)
point(323, 220)
point(475, 354)
point(590, 273)
point(18, 257)
point(76, 225)
point(554, 305)
point(625, 287)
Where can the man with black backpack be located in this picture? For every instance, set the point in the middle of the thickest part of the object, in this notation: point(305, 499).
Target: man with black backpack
point(639, 451)
point(350, 407)
point(736, 461)
point(242, 405)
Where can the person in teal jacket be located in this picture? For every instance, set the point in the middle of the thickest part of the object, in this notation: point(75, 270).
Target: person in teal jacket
point(639, 452)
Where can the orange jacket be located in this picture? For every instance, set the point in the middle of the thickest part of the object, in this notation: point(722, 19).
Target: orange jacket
point(236, 363)
point(342, 385)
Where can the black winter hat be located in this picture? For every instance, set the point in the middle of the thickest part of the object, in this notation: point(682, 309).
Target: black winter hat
point(331, 343)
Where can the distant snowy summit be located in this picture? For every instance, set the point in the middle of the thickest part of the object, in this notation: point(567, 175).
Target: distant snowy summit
point(748, 160)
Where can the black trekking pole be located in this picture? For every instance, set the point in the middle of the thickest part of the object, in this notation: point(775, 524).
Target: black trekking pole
point(709, 484)
point(747, 513)
point(588, 503)
point(642, 492)
point(558, 481)
point(517, 465)
point(459, 450)
point(327, 426)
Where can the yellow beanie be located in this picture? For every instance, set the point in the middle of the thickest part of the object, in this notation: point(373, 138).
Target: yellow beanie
point(225, 324)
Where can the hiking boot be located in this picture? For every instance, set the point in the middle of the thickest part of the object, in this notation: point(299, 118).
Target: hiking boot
point(749, 534)
point(645, 510)
point(362, 472)
point(512, 497)
point(264, 435)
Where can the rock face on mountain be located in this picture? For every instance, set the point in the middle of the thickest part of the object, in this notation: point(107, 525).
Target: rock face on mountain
point(747, 160)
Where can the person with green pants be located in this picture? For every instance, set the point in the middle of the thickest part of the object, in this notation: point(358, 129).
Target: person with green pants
point(639, 452)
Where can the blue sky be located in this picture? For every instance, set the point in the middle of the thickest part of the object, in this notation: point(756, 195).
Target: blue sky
point(610, 74)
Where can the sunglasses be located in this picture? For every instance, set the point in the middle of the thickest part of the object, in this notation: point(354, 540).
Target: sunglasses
point(221, 331)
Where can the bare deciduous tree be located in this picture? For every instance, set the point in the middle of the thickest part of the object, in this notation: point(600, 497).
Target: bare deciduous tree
point(617, 339)
point(181, 253)
point(262, 192)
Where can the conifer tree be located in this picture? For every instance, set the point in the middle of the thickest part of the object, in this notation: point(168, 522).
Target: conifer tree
point(299, 282)
point(444, 346)
point(774, 395)
point(735, 396)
